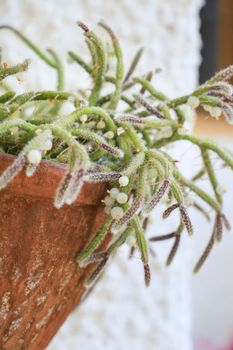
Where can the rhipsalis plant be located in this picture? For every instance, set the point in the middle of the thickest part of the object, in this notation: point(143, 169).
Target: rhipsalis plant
point(119, 136)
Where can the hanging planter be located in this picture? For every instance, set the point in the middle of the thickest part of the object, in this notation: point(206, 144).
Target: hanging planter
point(40, 282)
point(55, 168)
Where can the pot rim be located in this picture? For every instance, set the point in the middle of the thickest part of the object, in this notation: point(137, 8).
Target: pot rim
point(44, 183)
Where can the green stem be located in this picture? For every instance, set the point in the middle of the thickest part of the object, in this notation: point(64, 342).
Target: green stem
point(119, 68)
point(202, 194)
point(209, 145)
point(95, 242)
point(149, 87)
point(211, 174)
point(30, 44)
point(60, 70)
point(199, 142)
point(95, 111)
point(141, 240)
point(133, 65)
point(80, 61)
point(100, 66)
point(70, 140)
point(18, 68)
point(7, 96)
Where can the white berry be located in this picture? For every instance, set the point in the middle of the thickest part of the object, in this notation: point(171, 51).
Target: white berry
point(139, 134)
point(215, 112)
point(117, 213)
point(83, 118)
point(47, 145)
point(69, 200)
point(107, 209)
point(34, 156)
point(193, 101)
point(221, 189)
point(166, 131)
point(30, 170)
point(121, 153)
point(109, 135)
point(100, 124)
point(131, 241)
point(38, 131)
point(182, 131)
point(123, 181)
point(188, 112)
point(70, 99)
point(83, 103)
point(91, 125)
point(120, 131)
point(207, 108)
point(108, 200)
point(188, 201)
point(114, 192)
point(122, 198)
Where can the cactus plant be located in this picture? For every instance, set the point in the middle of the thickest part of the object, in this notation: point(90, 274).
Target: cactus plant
point(119, 137)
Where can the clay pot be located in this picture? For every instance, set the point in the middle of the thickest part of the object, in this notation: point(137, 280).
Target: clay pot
point(40, 282)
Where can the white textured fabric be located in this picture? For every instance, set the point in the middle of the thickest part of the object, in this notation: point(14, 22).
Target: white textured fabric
point(121, 313)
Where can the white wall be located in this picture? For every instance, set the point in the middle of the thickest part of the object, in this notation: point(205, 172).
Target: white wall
point(121, 313)
point(213, 286)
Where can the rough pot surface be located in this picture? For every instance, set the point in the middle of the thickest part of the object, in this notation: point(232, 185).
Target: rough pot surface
point(40, 283)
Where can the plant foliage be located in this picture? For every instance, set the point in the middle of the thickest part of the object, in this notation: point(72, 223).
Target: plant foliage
point(120, 137)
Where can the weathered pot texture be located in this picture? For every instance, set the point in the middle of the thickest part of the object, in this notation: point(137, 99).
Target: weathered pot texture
point(40, 282)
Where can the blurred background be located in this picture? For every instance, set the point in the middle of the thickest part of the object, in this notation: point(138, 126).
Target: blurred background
point(212, 288)
point(189, 40)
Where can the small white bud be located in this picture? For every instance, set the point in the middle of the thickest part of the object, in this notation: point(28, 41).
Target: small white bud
point(30, 170)
point(193, 102)
point(100, 124)
point(221, 189)
point(120, 131)
point(47, 145)
point(131, 241)
point(115, 230)
point(91, 125)
point(183, 131)
point(123, 181)
point(117, 213)
point(122, 198)
point(83, 103)
point(114, 192)
point(207, 108)
point(90, 147)
point(188, 201)
point(151, 181)
point(215, 112)
point(38, 131)
point(139, 134)
point(20, 78)
point(34, 156)
point(70, 99)
point(108, 200)
point(121, 154)
point(166, 131)
point(109, 135)
point(107, 209)
point(188, 112)
point(69, 200)
point(83, 118)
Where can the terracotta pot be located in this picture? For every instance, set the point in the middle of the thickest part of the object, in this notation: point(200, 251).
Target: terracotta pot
point(40, 282)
